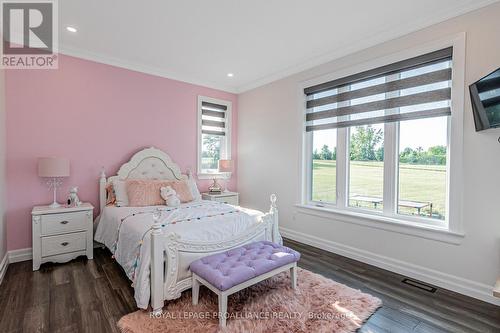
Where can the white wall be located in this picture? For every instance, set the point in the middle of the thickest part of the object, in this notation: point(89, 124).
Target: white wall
point(269, 158)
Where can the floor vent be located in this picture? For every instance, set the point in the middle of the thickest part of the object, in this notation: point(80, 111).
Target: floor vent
point(419, 285)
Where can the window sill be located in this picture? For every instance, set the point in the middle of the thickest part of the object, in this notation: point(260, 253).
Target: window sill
point(217, 175)
point(385, 223)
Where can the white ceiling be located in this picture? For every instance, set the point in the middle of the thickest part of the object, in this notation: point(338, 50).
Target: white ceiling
point(257, 40)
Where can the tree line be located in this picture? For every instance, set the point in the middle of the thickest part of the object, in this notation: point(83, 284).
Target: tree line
point(364, 146)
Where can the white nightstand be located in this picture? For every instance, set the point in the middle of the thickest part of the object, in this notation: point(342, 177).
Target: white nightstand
point(61, 234)
point(231, 198)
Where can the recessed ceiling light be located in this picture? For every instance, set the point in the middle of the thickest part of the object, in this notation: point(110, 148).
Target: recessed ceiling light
point(230, 74)
point(71, 29)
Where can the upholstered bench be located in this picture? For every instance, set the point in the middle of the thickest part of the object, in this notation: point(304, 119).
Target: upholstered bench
point(231, 271)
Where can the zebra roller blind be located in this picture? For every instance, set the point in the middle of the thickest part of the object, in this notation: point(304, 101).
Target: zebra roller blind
point(213, 118)
point(415, 88)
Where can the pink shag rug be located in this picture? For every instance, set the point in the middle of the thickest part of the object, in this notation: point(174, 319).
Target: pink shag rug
point(317, 305)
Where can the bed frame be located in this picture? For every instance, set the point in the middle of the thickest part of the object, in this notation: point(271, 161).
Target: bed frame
point(171, 256)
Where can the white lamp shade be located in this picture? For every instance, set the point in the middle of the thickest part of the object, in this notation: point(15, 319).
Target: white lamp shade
point(53, 167)
point(226, 166)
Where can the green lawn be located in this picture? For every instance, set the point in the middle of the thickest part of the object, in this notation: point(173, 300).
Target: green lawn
point(426, 183)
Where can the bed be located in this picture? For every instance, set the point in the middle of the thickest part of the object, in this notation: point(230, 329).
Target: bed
point(156, 244)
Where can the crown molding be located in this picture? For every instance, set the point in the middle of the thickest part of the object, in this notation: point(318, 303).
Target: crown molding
point(141, 68)
point(338, 52)
point(377, 38)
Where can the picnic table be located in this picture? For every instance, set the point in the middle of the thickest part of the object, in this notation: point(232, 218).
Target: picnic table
point(418, 205)
point(375, 201)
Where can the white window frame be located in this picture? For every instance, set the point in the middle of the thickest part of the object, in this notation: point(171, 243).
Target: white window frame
point(226, 150)
point(451, 229)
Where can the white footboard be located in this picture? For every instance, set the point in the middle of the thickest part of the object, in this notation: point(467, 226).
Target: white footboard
point(169, 250)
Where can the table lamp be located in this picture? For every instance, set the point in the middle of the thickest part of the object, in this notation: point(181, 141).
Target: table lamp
point(226, 167)
point(53, 168)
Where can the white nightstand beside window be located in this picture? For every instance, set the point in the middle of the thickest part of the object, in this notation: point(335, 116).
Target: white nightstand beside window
point(61, 234)
point(231, 198)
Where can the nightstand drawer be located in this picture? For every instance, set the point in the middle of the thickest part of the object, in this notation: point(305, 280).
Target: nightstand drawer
point(64, 223)
point(230, 200)
point(60, 244)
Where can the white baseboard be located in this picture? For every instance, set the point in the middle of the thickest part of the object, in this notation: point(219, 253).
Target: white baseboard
point(460, 285)
point(13, 256)
point(20, 255)
point(3, 266)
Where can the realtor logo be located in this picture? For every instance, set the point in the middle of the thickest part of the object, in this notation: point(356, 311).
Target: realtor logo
point(29, 30)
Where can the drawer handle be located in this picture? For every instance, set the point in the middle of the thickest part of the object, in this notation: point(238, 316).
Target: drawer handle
point(64, 222)
point(64, 243)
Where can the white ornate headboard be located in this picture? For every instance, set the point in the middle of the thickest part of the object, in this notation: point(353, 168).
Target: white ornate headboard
point(149, 163)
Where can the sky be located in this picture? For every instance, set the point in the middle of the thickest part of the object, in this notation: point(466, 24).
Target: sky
point(423, 133)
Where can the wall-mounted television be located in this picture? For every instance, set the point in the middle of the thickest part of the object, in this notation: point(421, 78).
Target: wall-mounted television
point(485, 97)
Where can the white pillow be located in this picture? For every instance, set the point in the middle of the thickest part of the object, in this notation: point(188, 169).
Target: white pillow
point(120, 188)
point(194, 189)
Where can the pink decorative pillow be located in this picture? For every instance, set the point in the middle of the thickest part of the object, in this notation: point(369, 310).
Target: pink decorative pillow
point(145, 192)
point(183, 190)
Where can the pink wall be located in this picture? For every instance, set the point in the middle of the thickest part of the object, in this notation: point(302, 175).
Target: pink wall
point(96, 115)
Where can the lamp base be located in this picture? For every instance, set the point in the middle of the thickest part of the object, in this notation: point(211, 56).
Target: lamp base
point(226, 180)
point(54, 183)
point(215, 187)
point(55, 204)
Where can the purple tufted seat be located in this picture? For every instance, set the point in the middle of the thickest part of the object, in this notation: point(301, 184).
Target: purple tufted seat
point(228, 272)
point(230, 268)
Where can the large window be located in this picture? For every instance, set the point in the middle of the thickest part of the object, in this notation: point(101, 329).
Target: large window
point(214, 134)
point(377, 142)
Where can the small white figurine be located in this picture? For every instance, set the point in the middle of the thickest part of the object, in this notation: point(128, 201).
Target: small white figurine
point(73, 199)
point(170, 196)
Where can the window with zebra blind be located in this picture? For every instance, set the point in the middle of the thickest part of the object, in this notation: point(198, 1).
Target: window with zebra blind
point(377, 142)
point(214, 134)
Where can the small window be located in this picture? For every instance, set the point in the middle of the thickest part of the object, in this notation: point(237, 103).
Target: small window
point(214, 134)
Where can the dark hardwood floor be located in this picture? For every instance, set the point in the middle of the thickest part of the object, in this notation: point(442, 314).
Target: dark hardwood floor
point(92, 295)
point(405, 308)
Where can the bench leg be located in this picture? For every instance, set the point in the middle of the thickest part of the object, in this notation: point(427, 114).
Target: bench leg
point(195, 290)
point(293, 276)
point(222, 309)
